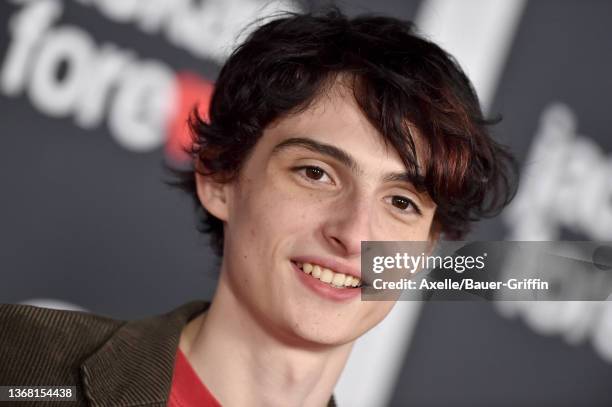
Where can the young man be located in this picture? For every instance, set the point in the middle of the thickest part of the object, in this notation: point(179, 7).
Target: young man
point(323, 132)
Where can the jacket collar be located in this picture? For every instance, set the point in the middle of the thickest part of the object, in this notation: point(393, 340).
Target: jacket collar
point(135, 365)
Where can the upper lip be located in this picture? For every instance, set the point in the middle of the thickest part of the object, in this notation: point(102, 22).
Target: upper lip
point(334, 265)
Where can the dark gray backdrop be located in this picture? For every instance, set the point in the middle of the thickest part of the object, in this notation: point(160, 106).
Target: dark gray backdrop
point(87, 221)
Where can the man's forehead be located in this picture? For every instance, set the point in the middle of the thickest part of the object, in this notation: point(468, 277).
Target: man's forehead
point(335, 117)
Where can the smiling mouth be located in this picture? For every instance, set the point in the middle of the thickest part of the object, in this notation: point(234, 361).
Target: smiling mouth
point(325, 275)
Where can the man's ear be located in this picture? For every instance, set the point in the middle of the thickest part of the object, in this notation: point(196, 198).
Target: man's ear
point(213, 195)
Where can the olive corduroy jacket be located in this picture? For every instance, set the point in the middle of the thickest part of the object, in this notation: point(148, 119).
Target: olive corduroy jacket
point(111, 363)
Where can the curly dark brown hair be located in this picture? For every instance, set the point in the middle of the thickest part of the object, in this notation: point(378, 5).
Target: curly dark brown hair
point(398, 78)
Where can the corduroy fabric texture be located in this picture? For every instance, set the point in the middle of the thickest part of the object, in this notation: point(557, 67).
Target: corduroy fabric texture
point(112, 363)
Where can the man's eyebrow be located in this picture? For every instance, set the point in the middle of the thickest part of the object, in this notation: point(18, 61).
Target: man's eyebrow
point(318, 147)
point(413, 178)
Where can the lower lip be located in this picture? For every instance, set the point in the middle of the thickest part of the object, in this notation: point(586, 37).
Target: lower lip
point(325, 290)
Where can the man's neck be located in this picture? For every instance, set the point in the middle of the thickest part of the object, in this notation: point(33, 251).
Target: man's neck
point(244, 363)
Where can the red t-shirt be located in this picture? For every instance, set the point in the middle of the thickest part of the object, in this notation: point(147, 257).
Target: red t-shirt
point(187, 388)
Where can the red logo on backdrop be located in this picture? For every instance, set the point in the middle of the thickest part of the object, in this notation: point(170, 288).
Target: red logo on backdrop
point(192, 91)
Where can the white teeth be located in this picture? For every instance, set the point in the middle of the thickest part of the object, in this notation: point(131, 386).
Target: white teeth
point(337, 280)
point(327, 276)
point(307, 268)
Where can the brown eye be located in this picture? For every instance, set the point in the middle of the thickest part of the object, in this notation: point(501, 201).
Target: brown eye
point(314, 173)
point(404, 204)
point(400, 202)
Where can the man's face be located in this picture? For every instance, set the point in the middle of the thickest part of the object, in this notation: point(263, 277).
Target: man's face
point(316, 184)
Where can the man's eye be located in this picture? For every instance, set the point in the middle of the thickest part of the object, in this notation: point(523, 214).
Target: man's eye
point(404, 204)
point(314, 173)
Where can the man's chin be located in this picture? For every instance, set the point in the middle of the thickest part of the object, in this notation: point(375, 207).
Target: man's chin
point(326, 334)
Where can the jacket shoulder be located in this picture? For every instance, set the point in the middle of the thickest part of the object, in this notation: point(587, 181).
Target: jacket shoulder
point(40, 346)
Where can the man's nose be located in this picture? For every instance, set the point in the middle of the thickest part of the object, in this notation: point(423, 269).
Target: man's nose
point(347, 225)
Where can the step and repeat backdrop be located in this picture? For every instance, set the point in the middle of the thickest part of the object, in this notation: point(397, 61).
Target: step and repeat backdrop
point(93, 98)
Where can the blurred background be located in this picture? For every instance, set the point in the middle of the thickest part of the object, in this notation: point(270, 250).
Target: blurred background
point(93, 97)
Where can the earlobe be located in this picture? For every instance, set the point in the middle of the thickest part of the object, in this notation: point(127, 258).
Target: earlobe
point(213, 195)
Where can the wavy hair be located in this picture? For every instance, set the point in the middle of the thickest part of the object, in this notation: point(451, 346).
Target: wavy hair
point(398, 79)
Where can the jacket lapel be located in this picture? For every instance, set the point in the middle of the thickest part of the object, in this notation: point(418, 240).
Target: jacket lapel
point(135, 366)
